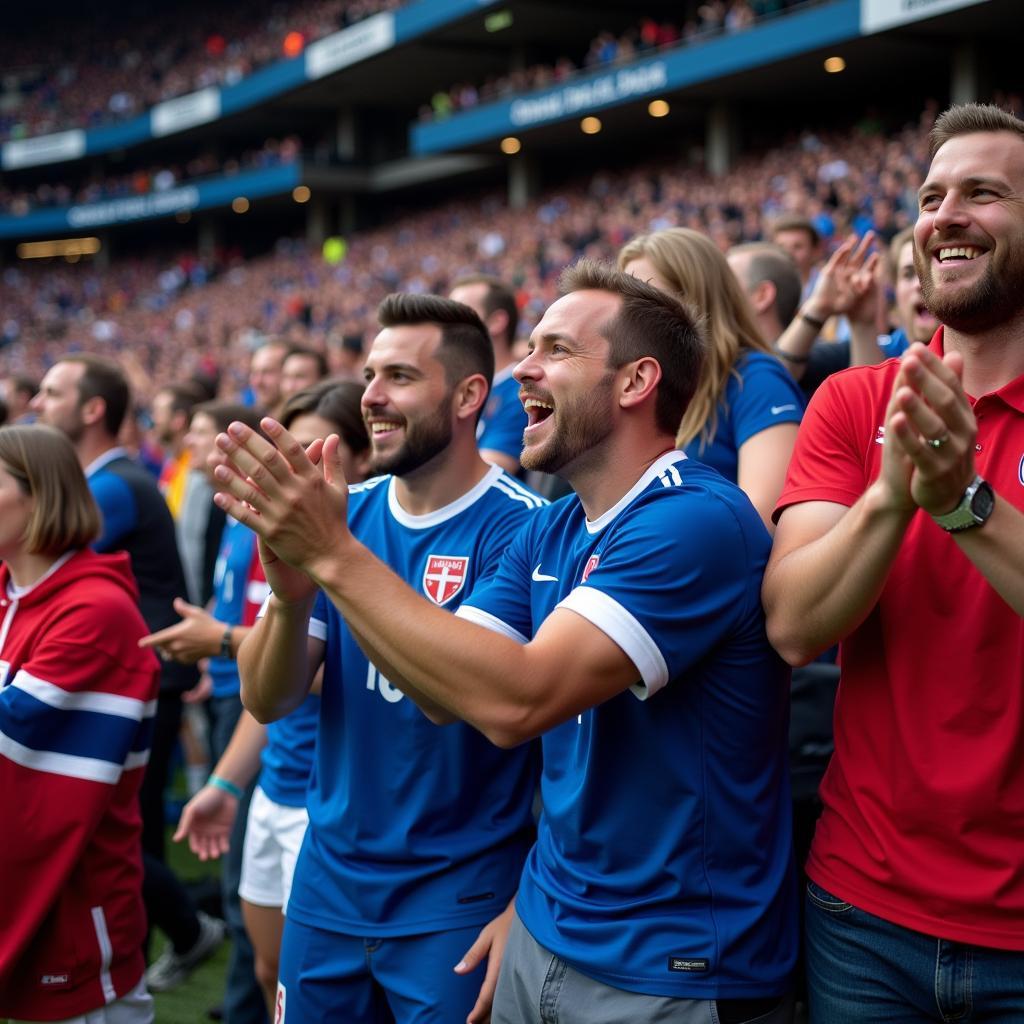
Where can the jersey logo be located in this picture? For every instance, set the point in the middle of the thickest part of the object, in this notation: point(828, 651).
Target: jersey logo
point(540, 577)
point(776, 409)
point(444, 576)
point(688, 963)
point(591, 566)
point(880, 435)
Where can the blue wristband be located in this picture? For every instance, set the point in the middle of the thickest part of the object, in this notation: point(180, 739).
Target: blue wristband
point(228, 787)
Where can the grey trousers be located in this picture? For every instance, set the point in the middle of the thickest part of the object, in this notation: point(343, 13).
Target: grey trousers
point(535, 987)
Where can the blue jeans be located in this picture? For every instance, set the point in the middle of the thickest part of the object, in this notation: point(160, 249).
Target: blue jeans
point(863, 970)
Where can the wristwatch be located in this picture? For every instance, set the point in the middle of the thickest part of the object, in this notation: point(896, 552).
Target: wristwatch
point(974, 509)
point(225, 644)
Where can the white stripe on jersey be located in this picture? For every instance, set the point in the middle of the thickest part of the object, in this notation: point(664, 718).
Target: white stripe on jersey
point(72, 765)
point(66, 700)
point(489, 621)
point(99, 922)
point(670, 477)
point(138, 759)
point(367, 485)
point(519, 493)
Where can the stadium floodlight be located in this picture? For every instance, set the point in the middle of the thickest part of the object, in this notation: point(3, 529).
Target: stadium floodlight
point(658, 108)
point(833, 65)
point(239, 204)
point(67, 247)
point(590, 125)
point(301, 193)
point(510, 145)
point(498, 20)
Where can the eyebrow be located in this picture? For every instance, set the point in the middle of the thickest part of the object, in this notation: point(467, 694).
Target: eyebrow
point(930, 186)
point(391, 367)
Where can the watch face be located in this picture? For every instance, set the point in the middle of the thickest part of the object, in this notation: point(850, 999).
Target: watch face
point(983, 502)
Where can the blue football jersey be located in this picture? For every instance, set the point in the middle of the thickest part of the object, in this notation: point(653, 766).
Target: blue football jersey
point(230, 576)
point(760, 394)
point(413, 827)
point(663, 862)
point(287, 759)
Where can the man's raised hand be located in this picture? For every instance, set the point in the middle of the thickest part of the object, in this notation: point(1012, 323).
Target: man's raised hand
point(296, 507)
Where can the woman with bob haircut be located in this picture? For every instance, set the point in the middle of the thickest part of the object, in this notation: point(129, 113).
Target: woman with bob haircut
point(77, 699)
point(744, 415)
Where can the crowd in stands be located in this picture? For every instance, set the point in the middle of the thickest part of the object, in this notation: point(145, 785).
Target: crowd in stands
point(608, 49)
point(168, 316)
point(143, 180)
point(122, 61)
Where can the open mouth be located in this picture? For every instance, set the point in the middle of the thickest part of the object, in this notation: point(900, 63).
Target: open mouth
point(948, 254)
point(380, 429)
point(537, 411)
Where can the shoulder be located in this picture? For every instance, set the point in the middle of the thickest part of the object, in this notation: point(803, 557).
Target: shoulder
point(507, 491)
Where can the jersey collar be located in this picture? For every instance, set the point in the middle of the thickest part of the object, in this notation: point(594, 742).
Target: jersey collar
point(444, 513)
point(650, 475)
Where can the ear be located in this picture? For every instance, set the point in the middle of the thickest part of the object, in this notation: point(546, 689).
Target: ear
point(762, 298)
point(640, 382)
point(470, 395)
point(93, 410)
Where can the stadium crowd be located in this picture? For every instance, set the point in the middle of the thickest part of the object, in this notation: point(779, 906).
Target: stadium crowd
point(79, 78)
point(170, 316)
point(608, 49)
point(143, 180)
point(355, 563)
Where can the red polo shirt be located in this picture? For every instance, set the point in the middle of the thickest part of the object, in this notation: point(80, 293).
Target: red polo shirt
point(924, 798)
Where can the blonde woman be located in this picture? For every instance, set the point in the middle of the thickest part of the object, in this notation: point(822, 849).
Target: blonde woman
point(743, 418)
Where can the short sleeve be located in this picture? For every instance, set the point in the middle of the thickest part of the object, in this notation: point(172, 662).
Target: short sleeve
point(828, 461)
point(501, 601)
point(766, 396)
point(322, 609)
point(672, 583)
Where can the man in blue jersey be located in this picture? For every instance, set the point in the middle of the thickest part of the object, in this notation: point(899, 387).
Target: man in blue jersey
point(417, 834)
point(625, 626)
point(500, 431)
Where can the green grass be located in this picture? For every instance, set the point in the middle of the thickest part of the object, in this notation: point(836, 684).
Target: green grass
point(205, 988)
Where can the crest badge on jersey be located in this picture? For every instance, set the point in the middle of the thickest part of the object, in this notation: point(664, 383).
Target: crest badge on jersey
point(444, 576)
point(591, 566)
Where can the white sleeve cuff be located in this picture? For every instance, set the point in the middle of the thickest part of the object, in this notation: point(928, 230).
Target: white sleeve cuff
point(488, 621)
point(619, 625)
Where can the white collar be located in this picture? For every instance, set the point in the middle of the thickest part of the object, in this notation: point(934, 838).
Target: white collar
point(655, 469)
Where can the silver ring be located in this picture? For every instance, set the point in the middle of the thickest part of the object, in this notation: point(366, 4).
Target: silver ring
point(937, 442)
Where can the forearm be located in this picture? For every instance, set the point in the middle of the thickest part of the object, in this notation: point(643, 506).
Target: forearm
point(997, 550)
point(818, 593)
point(273, 661)
point(795, 343)
point(479, 676)
point(241, 759)
point(864, 350)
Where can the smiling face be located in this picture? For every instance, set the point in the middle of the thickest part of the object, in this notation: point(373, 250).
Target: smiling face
point(566, 384)
point(970, 231)
point(407, 404)
point(916, 319)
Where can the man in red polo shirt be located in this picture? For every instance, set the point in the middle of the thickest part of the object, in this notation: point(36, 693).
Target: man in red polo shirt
point(900, 533)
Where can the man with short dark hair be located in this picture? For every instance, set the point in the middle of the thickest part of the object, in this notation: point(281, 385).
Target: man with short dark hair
point(797, 236)
point(18, 393)
point(265, 368)
point(769, 276)
point(502, 422)
point(625, 628)
point(891, 542)
point(416, 834)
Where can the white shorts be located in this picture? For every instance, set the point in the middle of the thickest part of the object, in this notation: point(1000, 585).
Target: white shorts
point(135, 1007)
point(273, 836)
